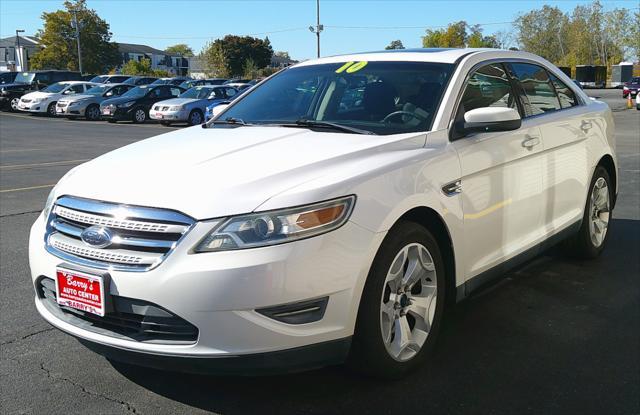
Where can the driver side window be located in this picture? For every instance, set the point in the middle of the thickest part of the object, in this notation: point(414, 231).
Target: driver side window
point(488, 87)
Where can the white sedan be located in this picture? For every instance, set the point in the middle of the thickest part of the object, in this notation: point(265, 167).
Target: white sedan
point(328, 215)
point(44, 101)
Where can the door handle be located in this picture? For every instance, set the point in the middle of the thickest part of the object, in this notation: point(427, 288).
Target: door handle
point(586, 125)
point(530, 142)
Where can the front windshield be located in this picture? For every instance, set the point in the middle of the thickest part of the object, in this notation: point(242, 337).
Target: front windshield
point(161, 82)
point(98, 79)
point(197, 92)
point(25, 77)
point(98, 90)
point(381, 97)
point(137, 92)
point(187, 84)
point(55, 88)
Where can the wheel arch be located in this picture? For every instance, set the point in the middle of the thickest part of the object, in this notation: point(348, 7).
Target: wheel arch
point(609, 165)
point(431, 220)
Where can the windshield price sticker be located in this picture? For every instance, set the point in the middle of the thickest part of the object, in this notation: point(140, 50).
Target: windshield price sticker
point(351, 67)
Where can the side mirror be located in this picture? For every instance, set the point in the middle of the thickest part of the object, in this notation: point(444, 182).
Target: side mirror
point(217, 110)
point(488, 119)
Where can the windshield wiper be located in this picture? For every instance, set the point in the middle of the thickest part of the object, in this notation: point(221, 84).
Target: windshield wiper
point(303, 122)
point(228, 120)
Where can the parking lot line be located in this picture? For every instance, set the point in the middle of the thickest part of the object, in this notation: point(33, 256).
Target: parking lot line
point(19, 189)
point(53, 163)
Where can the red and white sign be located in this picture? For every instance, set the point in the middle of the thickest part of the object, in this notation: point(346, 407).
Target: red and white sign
point(80, 291)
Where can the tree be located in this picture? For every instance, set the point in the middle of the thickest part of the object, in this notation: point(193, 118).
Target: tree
point(58, 39)
point(142, 67)
point(395, 44)
point(456, 36)
point(181, 49)
point(228, 56)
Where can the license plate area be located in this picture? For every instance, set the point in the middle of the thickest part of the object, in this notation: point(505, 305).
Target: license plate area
point(80, 290)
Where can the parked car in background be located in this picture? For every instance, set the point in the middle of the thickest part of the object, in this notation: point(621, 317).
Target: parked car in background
point(631, 87)
point(197, 82)
point(44, 101)
point(134, 105)
point(228, 94)
point(191, 105)
point(31, 81)
point(170, 81)
point(88, 104)
point(295, 232)
point(140, 80)
point(237, 81)
point(110, 79)
point(88, 78)
point(7, 77)
point(638, 101)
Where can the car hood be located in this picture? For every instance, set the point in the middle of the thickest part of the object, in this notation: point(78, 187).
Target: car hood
point(215, 172)
point(16, 85)
point(177, 101)
point(118, 100)
point(78, 98)
point(37, 94)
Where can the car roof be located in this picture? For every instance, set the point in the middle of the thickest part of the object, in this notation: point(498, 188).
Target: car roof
point(435, 55)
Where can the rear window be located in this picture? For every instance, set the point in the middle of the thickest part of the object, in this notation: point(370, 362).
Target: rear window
point(565, 94)
point(538, 94)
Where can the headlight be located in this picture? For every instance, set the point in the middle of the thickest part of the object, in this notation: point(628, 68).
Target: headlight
point(49, 203)
point(176, 108)
point(36, 100)
point(276, 227)
point(126, 104)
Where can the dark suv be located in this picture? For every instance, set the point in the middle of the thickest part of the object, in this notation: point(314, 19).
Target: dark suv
point(135, 104)
point(31, 81)
point(7, 77)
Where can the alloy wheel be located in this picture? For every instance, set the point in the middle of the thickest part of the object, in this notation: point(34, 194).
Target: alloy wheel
point(408, 302)
point(195, 118)
point(93, 113)
point(14, 104)
point(599, 212)
point(140, 115)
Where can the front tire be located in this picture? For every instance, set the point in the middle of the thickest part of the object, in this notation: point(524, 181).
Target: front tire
point(14, 104)
point(51, 110)
point(590, 240)
point(139, 116)
point(402, 304)
point(195, 117)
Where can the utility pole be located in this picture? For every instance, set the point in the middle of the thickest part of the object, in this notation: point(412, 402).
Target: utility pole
point(76, 25)
point(318, 28)
point(16, 51)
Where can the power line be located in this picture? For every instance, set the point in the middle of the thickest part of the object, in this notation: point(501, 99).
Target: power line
point(411, 27)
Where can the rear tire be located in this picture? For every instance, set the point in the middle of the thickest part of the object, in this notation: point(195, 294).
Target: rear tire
point(92, 113)
point(590, 240)
point(399, 316)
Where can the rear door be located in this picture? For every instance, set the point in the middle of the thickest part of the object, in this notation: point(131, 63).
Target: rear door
point(551, 104)
point(501, 177)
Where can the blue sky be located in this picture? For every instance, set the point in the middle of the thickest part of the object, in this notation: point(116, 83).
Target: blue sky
point(350, 26)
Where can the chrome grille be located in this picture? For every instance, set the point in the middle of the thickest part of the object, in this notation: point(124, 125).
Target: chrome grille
point(140, 239)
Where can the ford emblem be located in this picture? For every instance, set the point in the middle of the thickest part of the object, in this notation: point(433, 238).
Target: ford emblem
point(96, 236)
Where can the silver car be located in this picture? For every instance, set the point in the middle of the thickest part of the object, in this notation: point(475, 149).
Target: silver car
point(88, 104)
point(190, 107)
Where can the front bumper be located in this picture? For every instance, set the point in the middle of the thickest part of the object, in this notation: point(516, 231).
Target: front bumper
point(118, 114)
point(182, 115)
point(219, 293)
point(70, 110)
point(33, 107)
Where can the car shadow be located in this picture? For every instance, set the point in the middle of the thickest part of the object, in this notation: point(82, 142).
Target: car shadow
point(527, 343)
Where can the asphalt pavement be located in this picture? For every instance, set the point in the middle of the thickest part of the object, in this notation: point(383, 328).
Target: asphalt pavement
point(555, 336)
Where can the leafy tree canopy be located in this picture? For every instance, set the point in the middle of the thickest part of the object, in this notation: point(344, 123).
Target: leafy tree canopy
point(395, 44)
point(458, 35)
point(58, 37)
point(142, 67)
point(228, 56)
point(181, 49)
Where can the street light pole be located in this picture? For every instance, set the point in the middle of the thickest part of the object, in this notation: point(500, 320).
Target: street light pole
point(76, 25)
point(16, 50)
point(318, 28)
